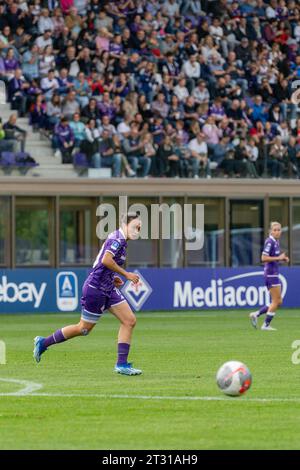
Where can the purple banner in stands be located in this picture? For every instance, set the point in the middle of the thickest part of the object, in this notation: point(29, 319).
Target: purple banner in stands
point(50, 290)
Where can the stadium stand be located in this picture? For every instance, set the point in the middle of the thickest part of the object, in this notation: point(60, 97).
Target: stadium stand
point(153, 88)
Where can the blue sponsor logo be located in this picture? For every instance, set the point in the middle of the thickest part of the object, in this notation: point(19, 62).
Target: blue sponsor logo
point(67, 291)
point(137, 294)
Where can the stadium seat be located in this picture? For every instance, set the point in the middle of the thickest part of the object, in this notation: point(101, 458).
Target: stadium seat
point(80, 163)
point(24, 162)
point(8, 161)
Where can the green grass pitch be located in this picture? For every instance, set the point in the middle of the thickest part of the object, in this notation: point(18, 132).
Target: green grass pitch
point(179, 354)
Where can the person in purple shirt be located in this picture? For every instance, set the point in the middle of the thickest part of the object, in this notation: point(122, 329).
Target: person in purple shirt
point(100, 292)
point(271, 257)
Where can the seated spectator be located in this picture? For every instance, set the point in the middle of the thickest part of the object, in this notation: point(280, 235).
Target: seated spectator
point(106, 126)
point(91, 111)
point(45, 22)
point(53, 111)
point(109, 157)
point(11, 64)
point(258, 111)
point(65, 82)
point(82, 90)
point(90, 144)
point(211, 132)
point(30, 63)
point(217, 110)
point(180, 90)
point(192, 71)
point(125, 167)
point(46, 61)
point(276, 158)
point(70, 105)
point(159, 106)
point(49, 84)
point(38, 116)
point(16, 90)
point(78, 129)
point(201, 93)
point(123, 128)
point(134, 149)
point(199, 155)
point(44, 40)
point(6, 144)
point(63, 140)
point(166, 162)
point(15, 133)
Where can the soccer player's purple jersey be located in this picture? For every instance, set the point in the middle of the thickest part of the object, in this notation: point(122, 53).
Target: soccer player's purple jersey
point(101, 277)
point(271, 248)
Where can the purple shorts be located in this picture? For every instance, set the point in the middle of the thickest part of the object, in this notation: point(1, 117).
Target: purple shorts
point(272, 281)
point(94, 301)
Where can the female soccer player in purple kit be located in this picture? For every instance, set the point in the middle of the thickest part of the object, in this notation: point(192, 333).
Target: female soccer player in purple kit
point(271, 256)
point(100, 292)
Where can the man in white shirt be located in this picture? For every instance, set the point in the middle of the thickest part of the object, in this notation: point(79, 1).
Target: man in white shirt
point(45, 40)
point(171, 8)
point(180, 90)
point(123, 128)
point(49, 84)
point(45, 22)
point(106, 126)
point(271, 10)
point(192, 71)
point(199, 155)
point(201, 93)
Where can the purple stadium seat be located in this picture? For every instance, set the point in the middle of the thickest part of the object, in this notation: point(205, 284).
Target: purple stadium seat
point(80, 160)
point(24, 159)
point(8, 159)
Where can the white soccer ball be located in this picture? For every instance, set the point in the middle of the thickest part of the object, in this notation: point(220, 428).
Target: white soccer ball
point(234, 378)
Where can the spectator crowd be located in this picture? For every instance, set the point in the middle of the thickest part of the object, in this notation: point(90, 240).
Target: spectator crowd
point(176, 88)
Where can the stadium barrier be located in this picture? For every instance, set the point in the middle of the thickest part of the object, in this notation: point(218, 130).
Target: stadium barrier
point(51, 290)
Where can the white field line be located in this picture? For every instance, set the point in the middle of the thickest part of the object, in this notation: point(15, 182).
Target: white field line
point(30, 390)
point(168, 398)
point(28, 387)
point(28, 393)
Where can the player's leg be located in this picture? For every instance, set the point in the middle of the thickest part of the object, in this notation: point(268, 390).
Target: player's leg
point(275, 292)
point(255, 315)
point(41, 344)
point(93, 302)
point(124, 314)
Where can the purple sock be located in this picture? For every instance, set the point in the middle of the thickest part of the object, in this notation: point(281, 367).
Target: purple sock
point(262, 310)
point(123, 351)
point(56, 337)
point(269, 318)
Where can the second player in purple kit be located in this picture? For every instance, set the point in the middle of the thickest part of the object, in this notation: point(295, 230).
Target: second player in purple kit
point(271, 257)
point(100, 292)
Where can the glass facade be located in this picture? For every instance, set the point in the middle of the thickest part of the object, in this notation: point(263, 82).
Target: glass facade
point(246, 232)
point(279, 212)
point(76, 230)
point(212, 253)
point(172, 249)
point(63, 231)
point(143, 252)
point(33, 231)
point(296, 231)
point(4, 230)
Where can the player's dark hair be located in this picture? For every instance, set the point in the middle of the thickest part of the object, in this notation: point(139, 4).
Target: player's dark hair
point(127, 218)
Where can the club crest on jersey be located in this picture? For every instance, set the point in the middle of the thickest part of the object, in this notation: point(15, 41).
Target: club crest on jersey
point(137, 294)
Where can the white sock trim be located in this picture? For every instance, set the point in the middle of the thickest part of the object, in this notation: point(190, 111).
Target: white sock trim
point(272, 314)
